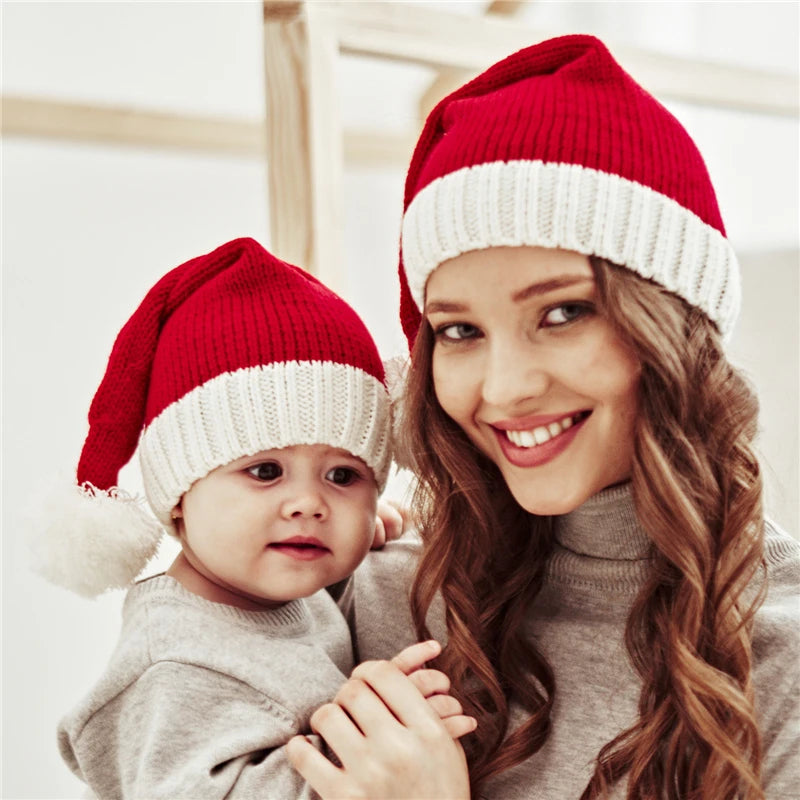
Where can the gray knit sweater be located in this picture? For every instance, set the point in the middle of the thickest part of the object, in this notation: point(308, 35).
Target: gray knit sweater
point(578, 621)
point(199, 698)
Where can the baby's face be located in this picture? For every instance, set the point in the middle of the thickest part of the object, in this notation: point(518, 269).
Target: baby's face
point(280, 524)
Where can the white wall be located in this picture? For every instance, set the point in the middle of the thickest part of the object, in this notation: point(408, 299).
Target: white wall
point(88, 229)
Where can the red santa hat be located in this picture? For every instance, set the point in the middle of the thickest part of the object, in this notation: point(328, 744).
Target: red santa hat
point(229, 354)
point(557, 146)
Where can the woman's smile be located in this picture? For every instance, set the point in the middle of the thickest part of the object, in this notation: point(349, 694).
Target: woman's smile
point(539, 445)
point(535, 432)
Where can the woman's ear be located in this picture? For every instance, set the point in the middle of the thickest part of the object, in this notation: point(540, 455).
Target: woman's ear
point(177, 512)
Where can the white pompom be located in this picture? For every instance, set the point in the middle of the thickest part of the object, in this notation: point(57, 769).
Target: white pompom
point(88, 540)
point(396, 370)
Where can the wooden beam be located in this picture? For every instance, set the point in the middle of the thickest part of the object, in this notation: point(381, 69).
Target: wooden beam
point(448, 79)
point(117, 125)
point(421, 35)
point(305, 150)
point(41, 118)
point(326, 151)
point(286, 133)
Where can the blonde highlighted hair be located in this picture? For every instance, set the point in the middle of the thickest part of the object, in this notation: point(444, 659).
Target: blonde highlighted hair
point(698, 492)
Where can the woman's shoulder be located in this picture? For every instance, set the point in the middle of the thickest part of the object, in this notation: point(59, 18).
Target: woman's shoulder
point(385, 576)
point(393, 563)
point(381, 591)
point(777, 622)
point(781, 552)
point(776, 655)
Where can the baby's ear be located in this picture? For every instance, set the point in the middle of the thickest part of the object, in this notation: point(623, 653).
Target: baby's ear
point(175, 517)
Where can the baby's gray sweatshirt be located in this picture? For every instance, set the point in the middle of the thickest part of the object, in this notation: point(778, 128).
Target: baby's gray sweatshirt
point(199, 698)
point(578, 622)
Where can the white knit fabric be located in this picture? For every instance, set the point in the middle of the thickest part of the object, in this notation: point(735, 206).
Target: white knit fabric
point(571, 207)
point(307, 402)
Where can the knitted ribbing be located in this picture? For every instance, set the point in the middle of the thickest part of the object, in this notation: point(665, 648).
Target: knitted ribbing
point(290, 619)
point(601, 544)
point(264, 408)
point(605, 526)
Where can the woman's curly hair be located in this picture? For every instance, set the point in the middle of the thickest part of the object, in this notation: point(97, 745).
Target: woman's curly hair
point(698, 494)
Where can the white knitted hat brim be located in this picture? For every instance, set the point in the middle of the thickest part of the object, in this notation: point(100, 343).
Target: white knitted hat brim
point(260, 408)
point(568, 206)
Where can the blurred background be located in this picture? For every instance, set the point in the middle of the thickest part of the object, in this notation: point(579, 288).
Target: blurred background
point(88, 227)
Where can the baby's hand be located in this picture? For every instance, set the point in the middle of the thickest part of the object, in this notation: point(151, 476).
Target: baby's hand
point(434, 686)
point(391, 521)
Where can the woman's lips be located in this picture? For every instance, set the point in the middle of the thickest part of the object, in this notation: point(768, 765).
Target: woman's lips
point(526, 444)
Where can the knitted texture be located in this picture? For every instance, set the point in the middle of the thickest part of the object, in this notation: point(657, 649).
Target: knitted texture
point(577, 622)
point(557, 146)
point(199, 699)
point(232, 353)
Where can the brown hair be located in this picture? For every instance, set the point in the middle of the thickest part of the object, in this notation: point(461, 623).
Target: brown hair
point(696, 483)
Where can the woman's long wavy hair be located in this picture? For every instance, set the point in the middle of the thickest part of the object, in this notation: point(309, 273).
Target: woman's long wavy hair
point(698, 492)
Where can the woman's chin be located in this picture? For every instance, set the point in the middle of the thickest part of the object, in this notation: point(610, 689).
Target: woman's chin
point(554, 503)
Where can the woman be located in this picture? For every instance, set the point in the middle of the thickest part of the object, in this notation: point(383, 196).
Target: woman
point(619, 617)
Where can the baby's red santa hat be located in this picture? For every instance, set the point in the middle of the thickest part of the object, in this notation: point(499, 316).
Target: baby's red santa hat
point(557, 146)
point(229, 354)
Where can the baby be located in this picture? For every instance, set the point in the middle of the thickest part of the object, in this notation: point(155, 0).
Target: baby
point(257, 400)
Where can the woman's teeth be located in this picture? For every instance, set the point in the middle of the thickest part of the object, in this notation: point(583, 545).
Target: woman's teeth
point(543, 433)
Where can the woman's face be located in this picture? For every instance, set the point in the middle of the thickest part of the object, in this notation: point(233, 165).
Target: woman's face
point(537, 378)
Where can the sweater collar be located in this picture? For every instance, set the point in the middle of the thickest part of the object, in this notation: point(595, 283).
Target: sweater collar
point(605, 526)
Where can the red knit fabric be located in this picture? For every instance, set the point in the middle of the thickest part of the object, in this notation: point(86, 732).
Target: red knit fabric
point(236, 307)
point(564, 101)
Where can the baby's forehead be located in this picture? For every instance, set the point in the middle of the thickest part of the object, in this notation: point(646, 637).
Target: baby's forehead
point(317, 449)
point(317, 452)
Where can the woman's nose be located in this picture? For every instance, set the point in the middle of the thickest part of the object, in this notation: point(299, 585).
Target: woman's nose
point(513, 373)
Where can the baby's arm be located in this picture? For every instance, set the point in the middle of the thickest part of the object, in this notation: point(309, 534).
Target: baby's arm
point(186, 731)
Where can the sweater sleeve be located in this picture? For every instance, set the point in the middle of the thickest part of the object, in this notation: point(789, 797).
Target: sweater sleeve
point(183, 731)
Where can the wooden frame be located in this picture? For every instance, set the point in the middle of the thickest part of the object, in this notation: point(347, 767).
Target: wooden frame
point(305, 145)
point(302, 136)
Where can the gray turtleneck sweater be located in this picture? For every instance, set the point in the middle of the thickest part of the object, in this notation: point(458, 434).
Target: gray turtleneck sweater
point(578, 620)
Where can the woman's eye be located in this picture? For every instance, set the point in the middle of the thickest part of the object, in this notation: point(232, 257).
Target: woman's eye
point(266, 471)
point(342, 476)
point(457, 332)
point(561, 315)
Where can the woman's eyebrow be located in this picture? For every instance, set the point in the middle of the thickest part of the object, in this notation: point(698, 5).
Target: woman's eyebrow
point(443, 306)
point(542, 287)
point(551, 285)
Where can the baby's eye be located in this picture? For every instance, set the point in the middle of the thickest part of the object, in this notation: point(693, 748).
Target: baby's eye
point(266, 471)
point(342, 476)
point(568, 312)
point(457, 332)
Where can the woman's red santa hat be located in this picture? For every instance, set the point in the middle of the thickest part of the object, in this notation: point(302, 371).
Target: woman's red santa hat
point(557, 146)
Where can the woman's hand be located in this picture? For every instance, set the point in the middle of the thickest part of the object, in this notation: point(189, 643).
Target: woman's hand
point(394, 730)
